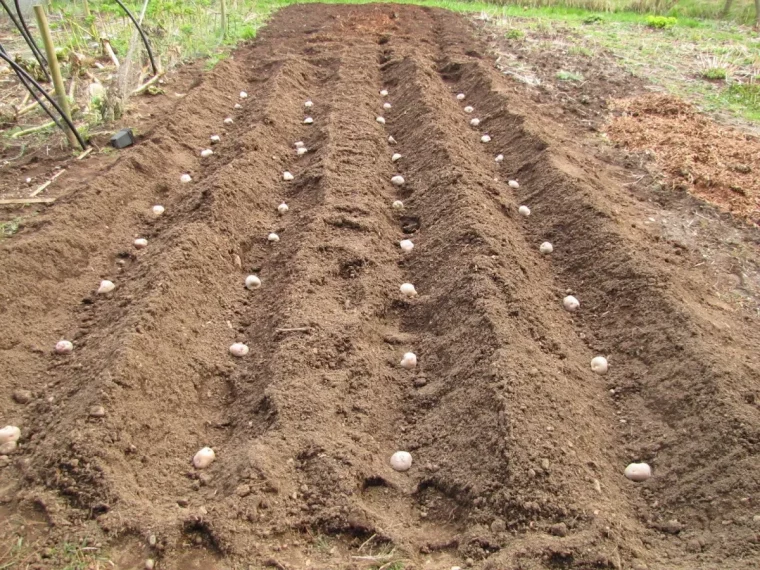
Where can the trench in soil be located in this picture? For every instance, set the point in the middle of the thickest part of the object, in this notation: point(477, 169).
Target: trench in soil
point(511, 432)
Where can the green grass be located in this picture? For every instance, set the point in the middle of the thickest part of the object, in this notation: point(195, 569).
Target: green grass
point(515, 34)
point(569, 76)
point(715, 73)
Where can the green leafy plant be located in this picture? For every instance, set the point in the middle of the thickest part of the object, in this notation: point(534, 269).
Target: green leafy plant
point(515, 34)
point(661, 22)
point(563, 75)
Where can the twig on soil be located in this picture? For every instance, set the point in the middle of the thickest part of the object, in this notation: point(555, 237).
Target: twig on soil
point(145, 85)
point(46, 184)
point(296, 329)
point(366, 542)
point(11, 201)
point(85, 153)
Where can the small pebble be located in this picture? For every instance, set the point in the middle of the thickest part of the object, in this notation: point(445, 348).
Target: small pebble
point(97, 411)
point(22, 396)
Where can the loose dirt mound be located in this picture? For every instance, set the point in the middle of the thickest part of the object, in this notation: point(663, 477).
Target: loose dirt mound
point(717, 164)
point(518, 447)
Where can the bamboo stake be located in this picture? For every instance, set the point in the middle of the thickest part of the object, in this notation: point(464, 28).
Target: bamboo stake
point(10, 201)
point(224, 19)
point(33, 130)
point(55, 69)
point(46, 184)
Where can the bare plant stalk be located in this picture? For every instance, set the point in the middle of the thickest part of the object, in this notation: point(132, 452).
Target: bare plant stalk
point(224, 18)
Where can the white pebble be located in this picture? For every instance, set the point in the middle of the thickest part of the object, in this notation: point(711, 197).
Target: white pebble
point(524, 211)
point(406, 245)
point(395, 157)
point(28, 180)
point(141, 243)
point(299, 144)
point(273, 237)
point(283, 208)
point(215, 139)
point(391, 140)
point(308, 121)
point(237, 106)
point(468, 109)
point(474, 122)
point(397, 205)
point(409, 361)
point(599, 365)
point(204, 458)
point(380, 120)
point(308, 104)
point(10, 434)
point(546, 248)
point(571, 304)
point(206, 153)
point(252, 282)
point(384, 92)
point(499, 157)
point(157, 210)
point(386, 106)
point(228, 121)
point(64, 347)
point(243, 95)
point(185, 178)
point(106, 287)
point(398, 180)
point(8, 447)
point(239, 349)
point(638, 472)
point(301, 151)
point(485, 139)
point(401, 461)
point(287, 176)
point(408, 290)
point(460, 97)
point(513, 184)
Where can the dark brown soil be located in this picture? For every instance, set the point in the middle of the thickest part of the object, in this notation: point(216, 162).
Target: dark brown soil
point(519, 449)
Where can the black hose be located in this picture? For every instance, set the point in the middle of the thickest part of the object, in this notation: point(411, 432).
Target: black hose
point(27, 39)
point(142, 34)
point(30, 39)
point(20, 70)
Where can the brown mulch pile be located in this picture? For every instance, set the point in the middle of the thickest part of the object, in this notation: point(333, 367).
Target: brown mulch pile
point(718, 164)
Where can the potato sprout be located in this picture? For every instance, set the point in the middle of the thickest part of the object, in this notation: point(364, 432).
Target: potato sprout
point(287, 176)
point(485, 139)
point(395, 157)
point(141, 243)
point(401, 461)
point(524, 211)
point(397, 205)
point(546, 248)
point(204, 458)
point(185, 178)
point(474, 122)
point(64, 347)
point(599, 365)
point(206, 153)
point(406, 245)
point(239, 349)
point(380, 120)
point(408, 290)
point(460, 97)
point(571, 304)
point(308, 121)
point(252, 282)
point(157, 210)
point(638, 472)
point(106, 287)
point(273, 237)
point(398, 180)
point(409, 361)
point(283, 208)
point(468, 109)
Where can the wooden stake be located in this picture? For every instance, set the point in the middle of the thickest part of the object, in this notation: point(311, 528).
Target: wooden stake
point(46, 184)
point(11, 201)
point(55, 69)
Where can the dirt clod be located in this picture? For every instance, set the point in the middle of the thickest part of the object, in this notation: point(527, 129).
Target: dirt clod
point(22, 396)
point(559, 529)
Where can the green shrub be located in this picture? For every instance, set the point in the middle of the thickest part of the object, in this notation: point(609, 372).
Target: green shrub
point(661, 22)
point(515, 34)
point(715, 73)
